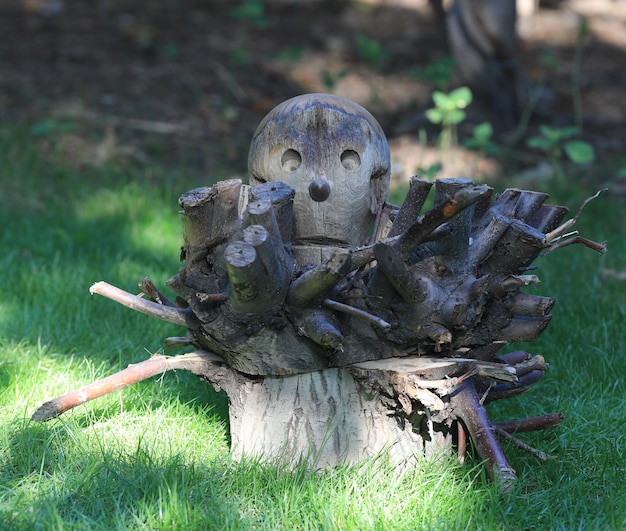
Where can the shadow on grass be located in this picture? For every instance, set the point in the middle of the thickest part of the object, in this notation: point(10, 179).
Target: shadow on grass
point(109, 487)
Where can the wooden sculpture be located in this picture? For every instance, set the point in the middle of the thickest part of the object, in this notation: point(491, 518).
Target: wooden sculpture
point(341, 326)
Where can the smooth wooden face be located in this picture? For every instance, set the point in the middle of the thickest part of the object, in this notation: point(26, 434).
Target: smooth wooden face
point(335, 156)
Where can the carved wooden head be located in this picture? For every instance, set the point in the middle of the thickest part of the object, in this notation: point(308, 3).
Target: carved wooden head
point(335, 156)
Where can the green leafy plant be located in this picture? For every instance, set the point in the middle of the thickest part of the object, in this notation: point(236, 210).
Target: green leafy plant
point(330, 79)
point(251, 11)
point(556, 143)
point(371, 51)
point(448, 111)
point(50, 125)
point(482, 140)
point(439, 72)
point(430, 172)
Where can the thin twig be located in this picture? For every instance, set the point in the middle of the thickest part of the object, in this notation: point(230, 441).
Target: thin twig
point(351, 310)
point(521, 444)
point(181, 316)
point(132, 374)
point(596, 246)
point(561, 229)
point(148, 288)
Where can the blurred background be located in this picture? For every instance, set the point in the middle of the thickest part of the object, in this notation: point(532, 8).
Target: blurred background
point(184, 82)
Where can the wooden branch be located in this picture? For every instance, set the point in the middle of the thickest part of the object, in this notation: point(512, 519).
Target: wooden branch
point(271, 254)
point(317, 280)
point(411, 206)
point(262, 213)
point(209, 216)
point(548, 217)
point(317, 326)
point(148, 288)
point(529, 202)
point(281, 196)
point(517, 248)
point(247, 277)
point(172, 314)
point(595, 246)
point(486, 240)
point(524, 304)
point(500, 285)
point(562, 229)
point(193, 361)
point(466, 405)
point(419, 231)
point(454, 244)
point(532, 423)
point(524, 328)
point(521, 444)
point(351, 310)
point(505, 391)
point(409, 286)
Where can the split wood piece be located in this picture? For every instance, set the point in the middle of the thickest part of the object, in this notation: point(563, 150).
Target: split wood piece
point(466, 405)
point(506, 391)
point(172, 314)
point(455, 246)
point(486, 240)
point(411, 206)
point(517, 248)
point(199, 362)
point(209, 216)
point(281, 196)
point(548, 217)
point(421, 229)
point(442, 375)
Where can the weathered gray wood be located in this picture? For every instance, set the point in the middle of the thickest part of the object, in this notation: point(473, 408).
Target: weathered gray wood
point(337, 144)
point(209, 216)
point(353, 343)
point(411, 206)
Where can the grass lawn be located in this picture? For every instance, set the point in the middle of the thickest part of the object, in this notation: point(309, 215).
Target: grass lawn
point(155, 455)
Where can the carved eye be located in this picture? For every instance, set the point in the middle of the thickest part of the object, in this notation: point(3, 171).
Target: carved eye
point(291, 160)
point(350, 160)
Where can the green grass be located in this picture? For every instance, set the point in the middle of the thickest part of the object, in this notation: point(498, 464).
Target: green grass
point(155, 455)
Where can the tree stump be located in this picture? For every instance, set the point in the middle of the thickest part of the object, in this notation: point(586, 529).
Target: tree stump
point(341, 326)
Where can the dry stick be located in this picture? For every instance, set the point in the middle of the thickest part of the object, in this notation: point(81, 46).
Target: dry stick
point(596, 246)
point(132, 374)
point(466, 404)
point(345, 308)
point(148, 288)
point(531, 423)
point(181, 316)
point(561, 229)
point(521, 444)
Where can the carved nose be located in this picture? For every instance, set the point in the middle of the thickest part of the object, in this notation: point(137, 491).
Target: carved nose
point(319, 190)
